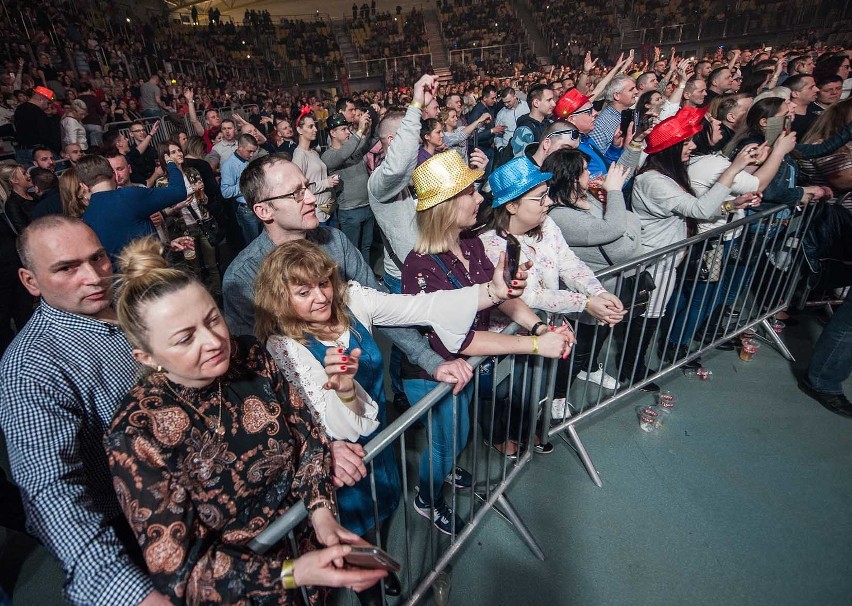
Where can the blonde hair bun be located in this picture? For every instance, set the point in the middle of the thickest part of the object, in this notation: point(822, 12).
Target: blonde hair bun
point(140, 258)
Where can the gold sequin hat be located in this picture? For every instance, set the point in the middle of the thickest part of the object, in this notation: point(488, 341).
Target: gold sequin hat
point(442, 177)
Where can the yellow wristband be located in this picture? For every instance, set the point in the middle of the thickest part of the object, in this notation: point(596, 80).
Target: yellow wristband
point(288, 578)
point(416, 104)
point(348, 400)
point(586, 306)
point(535, 344)
point(728, 207)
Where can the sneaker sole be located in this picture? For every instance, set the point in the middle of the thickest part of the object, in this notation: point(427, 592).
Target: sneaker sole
point(427, 513)
point(593, 382)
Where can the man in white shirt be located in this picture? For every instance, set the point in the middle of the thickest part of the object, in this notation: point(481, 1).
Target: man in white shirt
point(513, 109)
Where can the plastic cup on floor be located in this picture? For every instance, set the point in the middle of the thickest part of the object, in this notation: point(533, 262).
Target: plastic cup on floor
point(748, 349)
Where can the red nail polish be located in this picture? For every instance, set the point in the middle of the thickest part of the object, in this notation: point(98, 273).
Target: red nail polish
point(340, 351)
point(342, 368)
point(514, 282)
point(510, 291)
point(552, 328)
point(343, 358)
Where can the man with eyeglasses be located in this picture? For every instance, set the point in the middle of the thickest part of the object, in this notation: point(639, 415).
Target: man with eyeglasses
point(576, 109)
point(279, 194)
point(144, 161)
point(232, 170)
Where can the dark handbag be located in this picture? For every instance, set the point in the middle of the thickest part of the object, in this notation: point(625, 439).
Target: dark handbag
point(635, 291)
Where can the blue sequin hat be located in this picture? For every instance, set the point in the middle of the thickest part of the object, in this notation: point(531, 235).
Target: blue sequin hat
point(514, 179)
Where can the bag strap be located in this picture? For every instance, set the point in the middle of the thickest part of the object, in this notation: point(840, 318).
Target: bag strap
point(605, 256)
point(453, 280)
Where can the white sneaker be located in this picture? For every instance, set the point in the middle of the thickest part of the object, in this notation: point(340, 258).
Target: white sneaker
point(558, 408)
point(599, 377)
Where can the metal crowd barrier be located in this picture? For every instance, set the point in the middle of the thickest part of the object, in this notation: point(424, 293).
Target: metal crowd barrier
point(754, 262)
point(423, 551)
point(758, 260)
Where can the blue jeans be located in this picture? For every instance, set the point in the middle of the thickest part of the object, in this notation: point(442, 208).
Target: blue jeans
point(152, 113)
point(706, 296)
point(443, 456)
point(831, 362)
point(357, 224)
point(249, 225)
point(395, 367)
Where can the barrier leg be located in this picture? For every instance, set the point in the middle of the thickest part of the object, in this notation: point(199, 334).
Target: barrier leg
point(526, 536)
point(574, 441)
point(773, 336)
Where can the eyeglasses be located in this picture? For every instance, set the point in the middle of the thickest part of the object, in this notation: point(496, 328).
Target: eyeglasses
point(138, 130)
point(588, 110)
point(541, 198)
point(571, 132)
point(298, 195)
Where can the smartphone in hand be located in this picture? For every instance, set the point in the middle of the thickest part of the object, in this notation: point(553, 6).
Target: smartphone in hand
point(627, 117)
point(370, 556)
point(513, 258)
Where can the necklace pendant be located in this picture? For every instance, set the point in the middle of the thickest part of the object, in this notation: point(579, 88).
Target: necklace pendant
point(220, 431)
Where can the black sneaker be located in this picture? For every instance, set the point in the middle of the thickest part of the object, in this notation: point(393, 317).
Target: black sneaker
point(459, 478)
point(543, 448)
point(839, 404)
point(650, 388)
point(442, 515)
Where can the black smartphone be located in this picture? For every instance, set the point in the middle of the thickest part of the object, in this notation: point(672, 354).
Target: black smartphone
point(370, 556)
point(627, 117)
point(513, 258)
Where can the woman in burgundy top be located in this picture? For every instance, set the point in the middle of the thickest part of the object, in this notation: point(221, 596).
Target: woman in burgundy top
point(447, 256)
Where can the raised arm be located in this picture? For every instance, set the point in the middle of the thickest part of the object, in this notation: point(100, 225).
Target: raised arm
point(193, 118)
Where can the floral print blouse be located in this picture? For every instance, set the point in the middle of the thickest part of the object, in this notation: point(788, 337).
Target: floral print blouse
point(195, 499)
point(557, 282)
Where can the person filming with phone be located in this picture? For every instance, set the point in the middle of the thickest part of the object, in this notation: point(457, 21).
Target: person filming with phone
point(519, 215)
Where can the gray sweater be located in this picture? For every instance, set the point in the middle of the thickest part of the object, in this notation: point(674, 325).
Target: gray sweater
point(348, 162)
point(615, 229)
point(392, 203)
point(663, 207)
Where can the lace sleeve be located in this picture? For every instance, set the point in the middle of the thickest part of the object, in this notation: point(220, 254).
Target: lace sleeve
point(307, 375)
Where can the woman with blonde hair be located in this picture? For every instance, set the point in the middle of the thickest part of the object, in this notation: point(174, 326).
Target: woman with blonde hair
point(319, 331)
point(211, 446)
point(447, 256)
point(18, 203)
point(16, 303)
point(74, 199)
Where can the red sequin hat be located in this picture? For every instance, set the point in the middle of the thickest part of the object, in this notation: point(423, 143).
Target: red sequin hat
point(670, 131)
point(44, 92)
point(568, 103)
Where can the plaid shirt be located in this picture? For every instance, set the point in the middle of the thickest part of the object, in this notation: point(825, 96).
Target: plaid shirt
point(60, 383)
point(606, 123)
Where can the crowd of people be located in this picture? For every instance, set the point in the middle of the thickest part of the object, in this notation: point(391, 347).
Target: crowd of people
point(246, 245)
point(385, 35)
point(466, 24)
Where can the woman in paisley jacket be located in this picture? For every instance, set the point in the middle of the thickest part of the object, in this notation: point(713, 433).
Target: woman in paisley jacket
point(211, 447)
